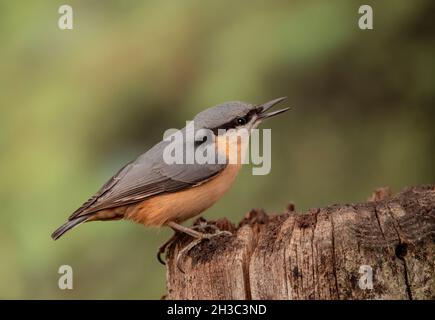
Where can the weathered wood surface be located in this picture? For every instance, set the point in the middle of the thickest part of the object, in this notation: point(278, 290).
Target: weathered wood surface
point(316, 255)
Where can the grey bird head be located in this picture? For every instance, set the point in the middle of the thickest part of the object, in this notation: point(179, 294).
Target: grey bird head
point(235, 115)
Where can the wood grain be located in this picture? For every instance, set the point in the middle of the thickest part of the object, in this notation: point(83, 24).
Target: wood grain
point(317, 254)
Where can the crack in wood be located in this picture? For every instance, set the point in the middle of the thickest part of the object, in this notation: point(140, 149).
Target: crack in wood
point(334, 263)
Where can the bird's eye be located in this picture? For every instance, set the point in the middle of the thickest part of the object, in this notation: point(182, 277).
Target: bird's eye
point(241, 121)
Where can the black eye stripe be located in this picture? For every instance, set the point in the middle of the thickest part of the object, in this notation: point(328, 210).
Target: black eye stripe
point(234, 122)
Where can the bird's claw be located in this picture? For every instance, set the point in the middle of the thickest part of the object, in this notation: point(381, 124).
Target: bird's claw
point(163, 247)
point(159, 255)
point(202, 226)
point(195, 242)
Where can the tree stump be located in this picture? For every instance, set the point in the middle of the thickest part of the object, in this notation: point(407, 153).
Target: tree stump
point(380, 249)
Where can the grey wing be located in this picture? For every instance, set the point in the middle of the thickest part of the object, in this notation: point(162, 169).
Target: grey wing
point(100, 193)
point(147, 176)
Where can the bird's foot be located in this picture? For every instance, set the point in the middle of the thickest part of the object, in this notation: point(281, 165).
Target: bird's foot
point(196, 241)
point(194, 232)
point(202, 227)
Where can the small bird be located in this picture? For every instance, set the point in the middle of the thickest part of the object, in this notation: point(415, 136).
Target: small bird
point(153, 193)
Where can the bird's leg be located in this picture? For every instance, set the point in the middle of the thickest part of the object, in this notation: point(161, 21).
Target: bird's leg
point(178, 227)
point(199, 237)
point(181, 229)
point(196, 234)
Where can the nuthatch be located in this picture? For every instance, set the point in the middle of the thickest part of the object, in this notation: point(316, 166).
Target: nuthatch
point(153, 193)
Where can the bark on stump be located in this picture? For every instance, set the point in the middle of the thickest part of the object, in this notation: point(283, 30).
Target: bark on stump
point(321, 254)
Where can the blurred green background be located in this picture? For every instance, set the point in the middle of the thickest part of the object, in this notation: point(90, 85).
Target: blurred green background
point(77, 105)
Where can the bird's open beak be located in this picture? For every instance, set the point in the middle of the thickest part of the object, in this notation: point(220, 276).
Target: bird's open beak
point(266, 106)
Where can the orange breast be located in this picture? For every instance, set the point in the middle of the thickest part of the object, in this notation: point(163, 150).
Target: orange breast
point(180, 206)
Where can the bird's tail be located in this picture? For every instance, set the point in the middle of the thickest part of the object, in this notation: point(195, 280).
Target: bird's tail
point(68, 226)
